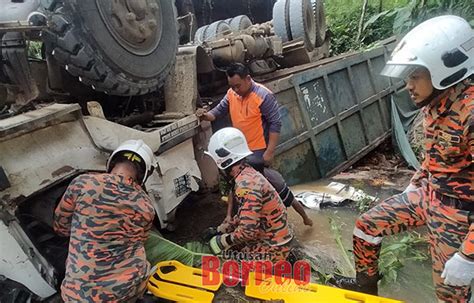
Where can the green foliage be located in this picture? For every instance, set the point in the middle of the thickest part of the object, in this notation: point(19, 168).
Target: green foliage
point(198, 247)
point(224, 187)
point(395, 255)
point(343, 29)
point(417, 11)
point(364, 204)
point(34, 50)
point(384, 18)
point(335, 226)
point(160, 249)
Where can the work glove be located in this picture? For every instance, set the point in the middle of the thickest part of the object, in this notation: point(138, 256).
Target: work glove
point(220, 243)
point(458, 271)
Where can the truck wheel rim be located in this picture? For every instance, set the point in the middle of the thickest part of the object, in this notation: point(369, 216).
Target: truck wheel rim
point(134, 24)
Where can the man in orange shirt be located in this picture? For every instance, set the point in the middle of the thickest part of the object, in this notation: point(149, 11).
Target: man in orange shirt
point(253, 110)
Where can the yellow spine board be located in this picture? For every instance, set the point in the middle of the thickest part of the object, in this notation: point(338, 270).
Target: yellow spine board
point(176, 272)
point(273, 288)
point(178, 293)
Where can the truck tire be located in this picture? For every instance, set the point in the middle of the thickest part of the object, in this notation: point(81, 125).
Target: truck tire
point(217, 29)
point(320, 19)
point(240, 23)
point(302, 22)
point(200, 35)
point(281, 23)
point(116, 48)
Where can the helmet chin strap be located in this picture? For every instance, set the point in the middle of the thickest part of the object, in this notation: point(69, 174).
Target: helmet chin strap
point(435, 94)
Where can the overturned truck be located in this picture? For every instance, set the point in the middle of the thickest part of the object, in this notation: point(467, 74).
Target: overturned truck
point(79, 77)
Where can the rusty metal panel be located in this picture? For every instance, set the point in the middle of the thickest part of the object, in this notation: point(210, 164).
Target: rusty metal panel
point(330, 151)
point(332, 114)
point(297, 164)
point(373, 124)
point(365, 90)
point(316, 101)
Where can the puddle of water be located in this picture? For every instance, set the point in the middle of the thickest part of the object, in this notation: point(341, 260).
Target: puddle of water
point(414, 283)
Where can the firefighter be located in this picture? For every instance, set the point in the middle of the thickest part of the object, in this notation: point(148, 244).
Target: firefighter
point(278, 182)
point(107, 217)
point(260, 227)
point(436, 61)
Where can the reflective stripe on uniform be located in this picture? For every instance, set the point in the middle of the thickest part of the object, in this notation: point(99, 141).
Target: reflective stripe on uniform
point(371, 239)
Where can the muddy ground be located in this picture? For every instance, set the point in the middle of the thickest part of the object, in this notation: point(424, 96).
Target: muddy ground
point(382, 174)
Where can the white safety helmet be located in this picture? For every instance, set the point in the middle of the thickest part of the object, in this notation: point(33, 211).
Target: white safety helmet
point(227, 146)
point(444, 45)
point(139, 152)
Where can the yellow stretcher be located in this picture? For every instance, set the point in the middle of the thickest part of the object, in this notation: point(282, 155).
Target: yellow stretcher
point(177, 282)
point(267, 288)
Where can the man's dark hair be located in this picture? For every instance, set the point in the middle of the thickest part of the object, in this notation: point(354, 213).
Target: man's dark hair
point(237, 69)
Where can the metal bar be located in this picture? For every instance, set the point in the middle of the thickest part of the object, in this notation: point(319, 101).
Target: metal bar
point(338, 65)
point(386, 58)
point(359, 106)
point(319, 71)
point(19, 27)
point(292, 143)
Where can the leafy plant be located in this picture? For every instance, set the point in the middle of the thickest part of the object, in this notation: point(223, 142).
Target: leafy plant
point(160, 249)
point(417, 11)
point(384, 18)
point(336, 230)
point(395, 255)
point(34, 50)
point(198, 247)
point(364, 204)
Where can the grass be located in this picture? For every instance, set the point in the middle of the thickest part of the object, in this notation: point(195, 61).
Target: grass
point(336, 7)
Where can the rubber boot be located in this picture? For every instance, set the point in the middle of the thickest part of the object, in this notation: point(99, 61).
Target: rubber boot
point(361, 283)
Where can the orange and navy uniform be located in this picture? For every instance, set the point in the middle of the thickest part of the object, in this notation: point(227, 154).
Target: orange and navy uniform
point(107, 218)
point(444, 199)
point(261, 224)
point(256, 114)
point(449, 145)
